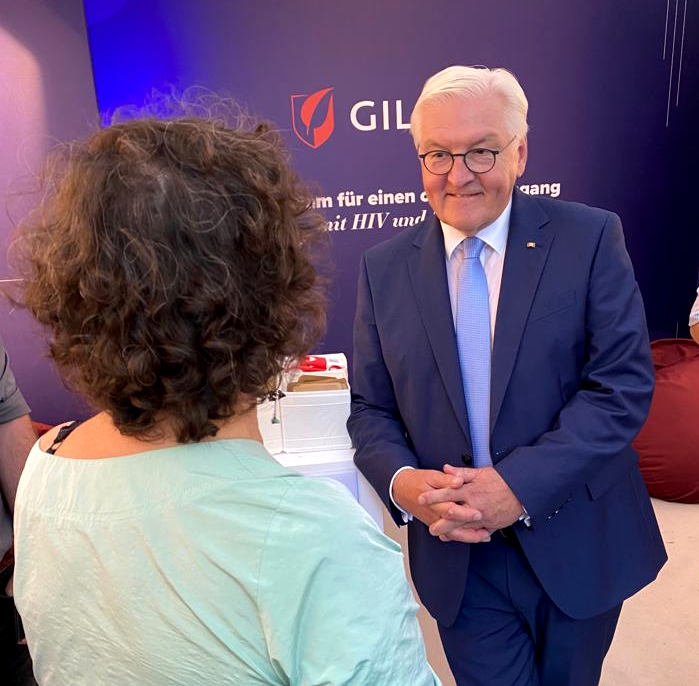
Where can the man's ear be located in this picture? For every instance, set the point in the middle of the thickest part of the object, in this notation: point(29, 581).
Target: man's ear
point(522, 152)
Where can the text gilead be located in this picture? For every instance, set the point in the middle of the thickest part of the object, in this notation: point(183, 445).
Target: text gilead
point(367, 111)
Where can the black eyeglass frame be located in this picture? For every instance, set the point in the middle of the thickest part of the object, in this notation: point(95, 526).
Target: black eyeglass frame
point(463, 155)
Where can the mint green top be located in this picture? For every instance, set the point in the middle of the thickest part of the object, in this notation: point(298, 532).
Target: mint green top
point(204, 565)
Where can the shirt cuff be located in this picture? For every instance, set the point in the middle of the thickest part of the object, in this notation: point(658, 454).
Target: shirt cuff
point(407, 517)
point(524, 517)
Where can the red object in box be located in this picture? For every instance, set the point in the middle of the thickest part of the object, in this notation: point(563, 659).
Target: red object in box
point(317, 363)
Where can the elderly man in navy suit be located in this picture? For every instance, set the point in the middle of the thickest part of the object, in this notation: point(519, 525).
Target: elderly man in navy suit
point(501, 370)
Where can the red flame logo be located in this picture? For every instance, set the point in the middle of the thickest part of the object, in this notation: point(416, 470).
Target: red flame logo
point(313, 117)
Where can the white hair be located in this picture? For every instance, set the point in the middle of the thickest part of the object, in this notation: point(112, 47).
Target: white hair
point(465, 83)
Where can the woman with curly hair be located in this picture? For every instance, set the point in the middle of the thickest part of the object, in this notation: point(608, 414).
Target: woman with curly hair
point(158, 542)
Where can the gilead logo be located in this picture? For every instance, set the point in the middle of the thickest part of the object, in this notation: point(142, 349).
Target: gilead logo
point(313, 117)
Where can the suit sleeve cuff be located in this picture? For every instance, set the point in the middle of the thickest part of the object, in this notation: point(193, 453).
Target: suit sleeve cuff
point(407, 517)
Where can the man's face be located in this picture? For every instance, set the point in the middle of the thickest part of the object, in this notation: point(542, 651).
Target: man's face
point(462, 199)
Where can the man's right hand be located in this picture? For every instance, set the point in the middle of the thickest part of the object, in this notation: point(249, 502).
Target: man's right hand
point(410, 483)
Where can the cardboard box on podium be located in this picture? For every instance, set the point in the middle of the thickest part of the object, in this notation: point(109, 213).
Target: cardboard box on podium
point(314, 410)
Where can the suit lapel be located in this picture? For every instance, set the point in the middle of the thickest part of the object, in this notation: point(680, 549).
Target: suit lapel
point(427, 269)
point(522, 270)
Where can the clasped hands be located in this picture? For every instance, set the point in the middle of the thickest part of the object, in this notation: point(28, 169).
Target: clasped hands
point(458, 504)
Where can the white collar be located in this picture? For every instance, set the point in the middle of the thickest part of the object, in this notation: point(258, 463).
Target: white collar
point(493, 235)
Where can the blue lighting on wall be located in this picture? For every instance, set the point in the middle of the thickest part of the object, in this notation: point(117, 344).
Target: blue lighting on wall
point(132, 49)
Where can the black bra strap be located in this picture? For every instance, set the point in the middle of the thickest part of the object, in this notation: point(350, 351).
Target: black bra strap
point(61, 436)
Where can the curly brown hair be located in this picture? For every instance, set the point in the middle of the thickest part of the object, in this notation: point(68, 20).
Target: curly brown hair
point(173, 264)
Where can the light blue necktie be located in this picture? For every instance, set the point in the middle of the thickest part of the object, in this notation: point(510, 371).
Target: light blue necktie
point(473, 342)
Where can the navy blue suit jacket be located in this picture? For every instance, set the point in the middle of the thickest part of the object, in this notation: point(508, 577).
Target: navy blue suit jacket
point(571, 383)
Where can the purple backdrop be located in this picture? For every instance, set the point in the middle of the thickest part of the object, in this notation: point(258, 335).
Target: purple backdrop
point(48, 96)
point(611, 89)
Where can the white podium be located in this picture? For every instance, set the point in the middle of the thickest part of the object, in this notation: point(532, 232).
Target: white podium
point(338, 465)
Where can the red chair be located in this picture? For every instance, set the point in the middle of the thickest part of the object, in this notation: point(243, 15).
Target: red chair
point(668, 443)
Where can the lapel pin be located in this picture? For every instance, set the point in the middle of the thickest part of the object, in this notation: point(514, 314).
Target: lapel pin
point(531, 244)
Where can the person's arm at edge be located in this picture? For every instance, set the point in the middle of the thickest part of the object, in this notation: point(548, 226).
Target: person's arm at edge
point(16, 440)
point(694, 319)
point(16, 432)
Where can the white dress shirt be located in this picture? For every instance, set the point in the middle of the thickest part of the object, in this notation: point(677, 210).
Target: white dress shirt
point(694, 314)
point(492, 258)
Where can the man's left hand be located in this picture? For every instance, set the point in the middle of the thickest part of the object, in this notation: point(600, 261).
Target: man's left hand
point(483, 489)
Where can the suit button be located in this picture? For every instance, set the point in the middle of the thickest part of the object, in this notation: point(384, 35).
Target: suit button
point(467, 459)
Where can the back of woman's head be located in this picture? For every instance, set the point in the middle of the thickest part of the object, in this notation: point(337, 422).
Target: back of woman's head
point(172, 262)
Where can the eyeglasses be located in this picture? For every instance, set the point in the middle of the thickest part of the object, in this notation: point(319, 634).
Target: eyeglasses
point(478, 160)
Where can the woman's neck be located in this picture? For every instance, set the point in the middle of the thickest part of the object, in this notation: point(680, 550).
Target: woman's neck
point(243, 425)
